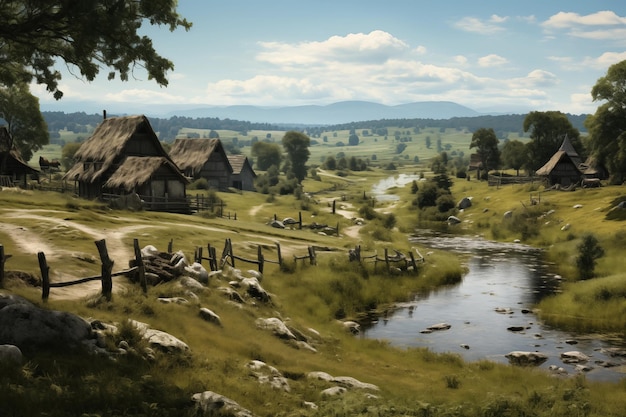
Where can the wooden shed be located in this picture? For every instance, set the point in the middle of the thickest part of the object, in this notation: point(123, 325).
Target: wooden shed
point(564, 168)
point(243, 175)
point(13, 169)
point(203, 158)
point(125, 156)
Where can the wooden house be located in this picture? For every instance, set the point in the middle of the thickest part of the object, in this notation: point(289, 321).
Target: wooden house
point(203, 158)
point(13, 169)
point(125, 156)
point(564, 168)
point(243, 175)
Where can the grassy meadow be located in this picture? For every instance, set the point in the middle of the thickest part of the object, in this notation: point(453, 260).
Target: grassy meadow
point(412, 382)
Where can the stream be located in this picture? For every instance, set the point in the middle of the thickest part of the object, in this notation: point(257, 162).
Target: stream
point(490, 312)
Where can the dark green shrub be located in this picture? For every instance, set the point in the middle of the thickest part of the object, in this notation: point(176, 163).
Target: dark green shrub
point(589, 251)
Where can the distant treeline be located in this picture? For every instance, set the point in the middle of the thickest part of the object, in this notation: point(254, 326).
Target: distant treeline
point(81, 122)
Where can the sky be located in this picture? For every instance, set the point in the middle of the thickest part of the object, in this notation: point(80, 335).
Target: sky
point(491, 56)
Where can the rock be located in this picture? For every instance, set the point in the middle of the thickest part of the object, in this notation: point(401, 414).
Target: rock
point(566, 227)
point(310, 405)
point(571, 342)
point(210, 316)
point(269, 375)
point(232, 294)
point(466, 202)
point(349, 382)
point(172, 300)
point(352, 326)
point(290, 221)
point(254, 289)
point(503, 310)
point(277, 224)
point(522, 358)
point(198, 272)
point(453, 220)
point(577, 206)
point(276, 326)
point(149, 251)
point(439, 326)
point(255, 274)
point(507, 214)
point(583, 368)
point(159, 339)
point(464, 346)
point(209, 403)
point(515, 328)
point(614, 351)
point(323, 376)
point(10, 355)
point(29, 327)
point(574, 357)
point(333, 392)
point(192, 284)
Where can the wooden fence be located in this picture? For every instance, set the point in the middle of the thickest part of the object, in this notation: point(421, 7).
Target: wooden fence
point(228, 257)
point(312, 226)
point(496, 180)
point(105, 276)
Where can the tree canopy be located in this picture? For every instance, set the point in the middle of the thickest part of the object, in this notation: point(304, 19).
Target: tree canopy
point(514, 155)
point(267, 154)
point(86, 34)
point(20, 110)
point(486, 143)
point(547, 131)
point(296, 145)
point(607, 126)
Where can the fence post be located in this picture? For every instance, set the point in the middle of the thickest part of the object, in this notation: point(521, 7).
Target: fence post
point(299, 220)
point(213, 256)
point(198, 255)
point(170, 246)
point(230, 252)
point(334, 201)
point(3, 259)
point(107, 268)
point(260, 258)
point(45, 276)
point(141, 268)
point(280, 258)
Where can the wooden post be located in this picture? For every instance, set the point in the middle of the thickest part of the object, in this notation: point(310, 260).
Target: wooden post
point(413, 263)
point(260, 258)
point(3, 259)
point(334, 202)
point(45, 276)
point(213, 256)
point(141, 268)
point(300, 220)
point(280, 258)
point(230, 252)
point(107, 268)
point(337, 229)
point(312, 258)
point(387, 259)
point(198, 255)
point(170, 245)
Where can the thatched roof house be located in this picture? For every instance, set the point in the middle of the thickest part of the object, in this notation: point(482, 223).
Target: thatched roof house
point(243, 175)
point(564, 166)
point(203, 158)
point(13, 169)
point(124, 155)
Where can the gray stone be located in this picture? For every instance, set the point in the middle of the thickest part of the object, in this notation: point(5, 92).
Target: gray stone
point(574, 357)
point(522, 358)
point(453, 220)
point(277, 326)
point(161, 340)
point(197, 272)
point(10, 355)
point(439, 326)
point(466, 202)
point(210, 316)
point(209, 404)
point(333, 392)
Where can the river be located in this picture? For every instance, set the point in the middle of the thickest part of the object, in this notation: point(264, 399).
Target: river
point(489, 307)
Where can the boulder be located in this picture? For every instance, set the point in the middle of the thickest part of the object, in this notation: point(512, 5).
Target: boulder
point(439, 326)
point(352, 326)
point(159, 339)
point(453, 220)
point(209, 403)
point(522, 358)
point(508, 214)
point(277, 224)
point(466, 202)
point(268, 375)
point(277, 326)
point(574, 357)
point(149, 251)
point(10, 355)
point(30, 327)
point(197, 272)
point(192, 284)
point(210, 316)
point(333, 392)
point(254, 289)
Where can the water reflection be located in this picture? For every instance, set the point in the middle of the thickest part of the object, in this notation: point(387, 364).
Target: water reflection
point(490, 310)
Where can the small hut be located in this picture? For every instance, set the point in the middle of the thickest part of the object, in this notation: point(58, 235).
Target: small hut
point(243, 175)
point(13, 169)
point(203, 158)
point(124, 156)
point(564, 168)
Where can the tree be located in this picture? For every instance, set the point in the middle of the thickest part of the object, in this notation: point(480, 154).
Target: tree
point(20, 110)
point(87, 35)
point(547, 131)
point(67, 154)
point(607, 126)
point(589, 251)
point(486, 143)
point(353, 140)
point(514, 155)
point(296, 145)
point(266, 154)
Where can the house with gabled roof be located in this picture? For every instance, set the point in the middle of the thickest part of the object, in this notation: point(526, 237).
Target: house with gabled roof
point(243, 175)
point(564, 168)
point(203, 158)
point(124, 156)
point(13, 169)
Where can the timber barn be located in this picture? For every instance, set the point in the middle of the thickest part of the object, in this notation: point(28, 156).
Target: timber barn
point(13, 169)
point(243, 175)
point(203, 158)
point(564, 168)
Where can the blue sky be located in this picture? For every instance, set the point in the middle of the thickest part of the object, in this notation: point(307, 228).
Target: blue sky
point(487, 55)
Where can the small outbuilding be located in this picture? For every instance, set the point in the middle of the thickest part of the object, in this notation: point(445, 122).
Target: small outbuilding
point(564, 168)
point(243, 175)
point(124, 156)
point(203, 158)
point(13, 169)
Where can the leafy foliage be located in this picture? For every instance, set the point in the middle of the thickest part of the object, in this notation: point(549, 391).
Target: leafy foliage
point(589, 251)
point(85, 34)
point(296, 145)
point(547, 131)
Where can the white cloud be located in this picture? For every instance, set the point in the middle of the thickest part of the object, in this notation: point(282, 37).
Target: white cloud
point(420, 50)
point(492, 60)
point(605, 60)
point(136, 95)
point(475, 25)
point(564, 20)
point(498, 19)
point(460, 60)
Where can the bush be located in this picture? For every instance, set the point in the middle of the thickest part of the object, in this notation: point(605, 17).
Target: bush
point(589, 251)
point(199, 184)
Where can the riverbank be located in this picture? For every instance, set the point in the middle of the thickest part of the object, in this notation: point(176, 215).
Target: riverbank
point(409, 381)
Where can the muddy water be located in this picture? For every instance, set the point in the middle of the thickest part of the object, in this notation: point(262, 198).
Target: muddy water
point(490, 312)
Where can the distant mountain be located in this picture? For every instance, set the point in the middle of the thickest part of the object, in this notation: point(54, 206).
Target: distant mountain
point(336, 113)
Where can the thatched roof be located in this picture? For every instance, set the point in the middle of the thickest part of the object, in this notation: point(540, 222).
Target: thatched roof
point(10, 157)
point(107, 143)
point(192, 154)
point(566, 151)
point(137, 170)
point(237, 163)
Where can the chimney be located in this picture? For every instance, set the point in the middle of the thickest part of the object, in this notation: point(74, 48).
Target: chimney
point(104, 114)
